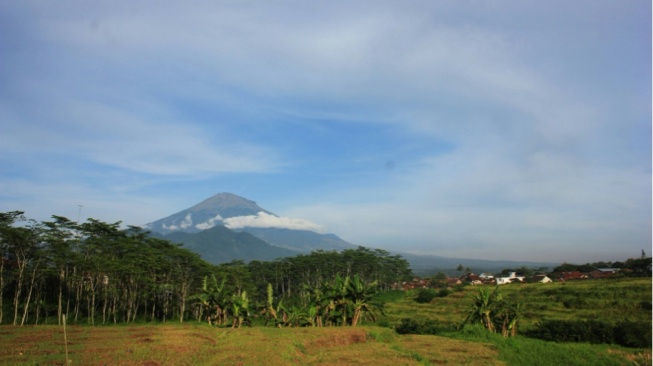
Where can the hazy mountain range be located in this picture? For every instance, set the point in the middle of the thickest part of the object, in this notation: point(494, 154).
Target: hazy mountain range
point(228, 227)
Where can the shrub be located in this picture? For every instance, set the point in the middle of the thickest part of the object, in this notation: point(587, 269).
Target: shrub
point(411, 326)
point(444, 292)
point(425, 296)
point(633, 334)
point(627, 334)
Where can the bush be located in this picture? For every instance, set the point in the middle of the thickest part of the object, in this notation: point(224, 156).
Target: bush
point(633, 334)
point(410, 326)
point(444, 292)
point(627, 334)
point(425, 296)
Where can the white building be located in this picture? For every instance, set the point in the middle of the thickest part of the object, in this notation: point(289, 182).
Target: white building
point(512, 277)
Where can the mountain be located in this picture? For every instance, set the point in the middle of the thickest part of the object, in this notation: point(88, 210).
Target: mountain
point(300, 240)
point(207, 214)
point(203, 229)
point(221, 245)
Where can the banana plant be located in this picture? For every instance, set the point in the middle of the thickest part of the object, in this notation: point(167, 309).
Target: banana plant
point(212, 299)
point(293, 316)
point(483, 306)
point(495, 313)
point(360, 296)
point(239, 309)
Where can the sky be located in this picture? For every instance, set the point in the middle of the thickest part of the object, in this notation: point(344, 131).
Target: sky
point(511, 130)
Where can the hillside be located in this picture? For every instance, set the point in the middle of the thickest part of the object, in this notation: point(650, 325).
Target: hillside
point(299, 240)
point(221, 245)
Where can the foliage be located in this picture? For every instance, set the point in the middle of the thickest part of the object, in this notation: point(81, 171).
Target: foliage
point(412, 326)
point(98, 273)
point(628, 334)
point(425, 295)
point(494, 313)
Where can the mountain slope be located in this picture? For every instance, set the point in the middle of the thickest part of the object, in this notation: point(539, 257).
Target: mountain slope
point(299, 240)
point(221, 245)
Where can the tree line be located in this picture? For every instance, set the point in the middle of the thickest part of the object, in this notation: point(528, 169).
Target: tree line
point(98, 273)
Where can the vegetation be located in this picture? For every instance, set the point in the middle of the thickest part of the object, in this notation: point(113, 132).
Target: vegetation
point(200, 344)
point(494, 313)
point(97, 273)
point(323, 307)
point(609, 300)
point(627, 334)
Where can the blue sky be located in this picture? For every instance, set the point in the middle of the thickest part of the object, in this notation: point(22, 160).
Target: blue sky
point(479, 129)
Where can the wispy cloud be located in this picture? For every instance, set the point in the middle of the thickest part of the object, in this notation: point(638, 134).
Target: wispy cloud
point(264, 220)
point(445, 127)
point(209, 223)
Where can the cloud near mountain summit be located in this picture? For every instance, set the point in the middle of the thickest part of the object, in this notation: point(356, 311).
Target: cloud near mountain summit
point(264, 220)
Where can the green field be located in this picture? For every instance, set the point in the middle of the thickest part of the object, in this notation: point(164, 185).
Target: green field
point(371, 344)
point(608, 300)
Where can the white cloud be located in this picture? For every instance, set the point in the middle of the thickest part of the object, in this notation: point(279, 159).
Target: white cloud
point(548, 120)
point(264, 220)
point(186, 222)
point(171, 227)
point(209, 223)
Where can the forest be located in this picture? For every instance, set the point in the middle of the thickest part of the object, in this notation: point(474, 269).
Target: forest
point(98, 273)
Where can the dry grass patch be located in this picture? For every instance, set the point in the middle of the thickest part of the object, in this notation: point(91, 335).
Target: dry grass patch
point(193, 344)
point(440, 350)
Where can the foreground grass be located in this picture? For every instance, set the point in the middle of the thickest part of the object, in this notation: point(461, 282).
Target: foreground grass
point(199, 344)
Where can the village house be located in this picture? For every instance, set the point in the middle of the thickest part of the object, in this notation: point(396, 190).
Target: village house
point(453, 281)
point(542, 278)
point(603, 272)
point(571, 275)
point(473, 279)
point(512, 277)
point(486, 276)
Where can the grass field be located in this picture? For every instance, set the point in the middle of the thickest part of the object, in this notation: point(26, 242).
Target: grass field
point(199, 344)
point(371, 344)
point(607, 300)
